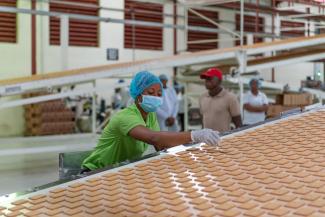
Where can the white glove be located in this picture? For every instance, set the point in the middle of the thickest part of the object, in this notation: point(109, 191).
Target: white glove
point(208, 136)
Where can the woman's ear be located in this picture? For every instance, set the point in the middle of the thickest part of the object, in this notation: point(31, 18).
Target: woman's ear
point(139, 99)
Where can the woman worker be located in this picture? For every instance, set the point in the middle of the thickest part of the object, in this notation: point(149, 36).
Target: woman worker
point(255, 103)
point(131, 130)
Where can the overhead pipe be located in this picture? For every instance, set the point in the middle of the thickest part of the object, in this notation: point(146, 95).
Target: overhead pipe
point(115, 20)
point(262, 9)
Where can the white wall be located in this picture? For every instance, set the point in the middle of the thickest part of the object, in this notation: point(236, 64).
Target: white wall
point(293, 74)
point(17, 59)
point(111, 36)
point(181, 34)
point(227, 15)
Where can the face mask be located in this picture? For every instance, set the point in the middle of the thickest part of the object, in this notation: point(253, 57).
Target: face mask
point(150, 103)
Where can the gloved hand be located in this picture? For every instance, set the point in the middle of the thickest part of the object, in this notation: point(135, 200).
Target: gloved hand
point(208, 136)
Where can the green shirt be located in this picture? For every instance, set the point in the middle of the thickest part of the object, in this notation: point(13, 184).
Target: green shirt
point(115, 145)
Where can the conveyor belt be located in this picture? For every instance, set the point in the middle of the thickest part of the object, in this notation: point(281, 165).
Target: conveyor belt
point(277, 169)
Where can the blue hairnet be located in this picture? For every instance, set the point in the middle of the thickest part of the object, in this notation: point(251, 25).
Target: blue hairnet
point(141, 81)
point(259, 83)
point(163, 77)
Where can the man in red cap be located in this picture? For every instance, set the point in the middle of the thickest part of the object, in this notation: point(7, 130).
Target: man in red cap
point(218, 106)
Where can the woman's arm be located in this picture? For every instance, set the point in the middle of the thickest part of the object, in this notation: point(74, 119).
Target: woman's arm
point(251, 108)
point(159, 139)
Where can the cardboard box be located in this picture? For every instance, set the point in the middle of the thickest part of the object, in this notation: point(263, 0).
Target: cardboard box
point(311, 84)
point(275, 110)
point(297, 99)
point(294, 99)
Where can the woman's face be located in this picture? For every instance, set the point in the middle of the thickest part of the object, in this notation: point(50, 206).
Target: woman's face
point(153, 90)
point(254, 86)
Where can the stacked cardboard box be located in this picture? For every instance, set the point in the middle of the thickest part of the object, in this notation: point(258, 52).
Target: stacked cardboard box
point(48, 118)
point(294, 99)
point(276, 110)
point(311, 84)
point(289, 101)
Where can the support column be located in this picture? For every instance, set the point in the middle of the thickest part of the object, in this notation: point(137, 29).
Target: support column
point(64, 41)
point(277, 31)
point(308, 22)
point(242, 61)
point(249, 39)
point(241, 22)
point(175, 32)
point(94, 112)
point(185, 107)
point(133, 34)
point(277, 25)
point(273, 32)
point(323, 72)
point(34, 43)
point(42, 43)
point(186, 27)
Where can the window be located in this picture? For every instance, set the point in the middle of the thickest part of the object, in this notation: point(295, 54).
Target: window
point(293, 33)
point(250, 26)
point(8, 27)
point(81, 32)
point(194, 20)
point(143, 37)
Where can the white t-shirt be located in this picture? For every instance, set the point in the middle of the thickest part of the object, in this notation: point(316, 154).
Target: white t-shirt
point(169, 108)
point(259, 100)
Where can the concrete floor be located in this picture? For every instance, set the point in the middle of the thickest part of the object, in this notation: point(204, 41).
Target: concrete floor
point(31, 162)
point(25, 178)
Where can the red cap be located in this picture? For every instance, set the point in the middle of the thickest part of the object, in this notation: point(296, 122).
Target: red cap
point(212, 72)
